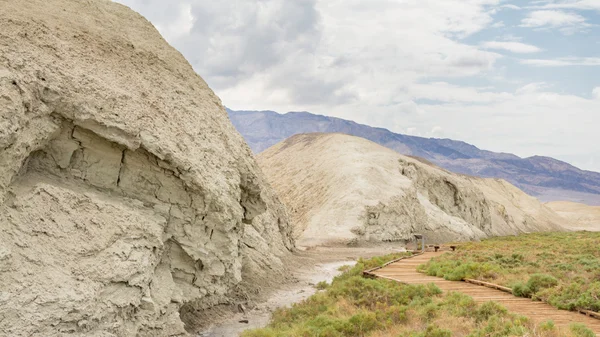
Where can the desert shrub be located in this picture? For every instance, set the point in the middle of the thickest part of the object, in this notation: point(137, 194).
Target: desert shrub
point(434, 268)
point(322, 285)
point(538, 282)
point(311, 307)
point(580, 330)
point(590, 298)
point(589, 262)
point(367, 293)
point(432, 331)
point(566, 297)
point(502, 325)
point(362, 323)
point(564, 266)
point(345, 268)
point(457, 270)
point(326, 326)
point(460, 305)
point(535, 284)
point(489, 309)
point(508, 261)
point(427, 311)
point(547, 325)
point(394, 315)
point(521, 289)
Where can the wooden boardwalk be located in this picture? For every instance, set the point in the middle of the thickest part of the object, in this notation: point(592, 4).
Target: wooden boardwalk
point(405, 271)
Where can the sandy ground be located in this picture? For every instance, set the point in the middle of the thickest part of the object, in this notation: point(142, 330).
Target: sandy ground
point(310, 267)
point(579, 217)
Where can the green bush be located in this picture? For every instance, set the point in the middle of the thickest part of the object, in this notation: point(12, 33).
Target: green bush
point(580, 330)
point(322, 285)
point(394, 315)
point(427, 311)
point(432, 331)
point(566, 297)
point(489, 309)
point(589, 262)
point(538, 282)
point(501, 326)
point(590, 299)
point(547, 325)
point(457, 270)
point(368, 293)
point(459, 304)
point(521, 289)
point(362, 323)
point(514, 260)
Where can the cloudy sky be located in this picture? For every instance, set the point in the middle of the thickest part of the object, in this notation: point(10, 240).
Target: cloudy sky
point(513, 76)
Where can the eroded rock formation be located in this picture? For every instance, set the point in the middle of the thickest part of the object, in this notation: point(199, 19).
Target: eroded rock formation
point(126, 196)
point(342, 188)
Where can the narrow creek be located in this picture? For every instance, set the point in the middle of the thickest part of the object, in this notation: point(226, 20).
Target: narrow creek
point(259, 317)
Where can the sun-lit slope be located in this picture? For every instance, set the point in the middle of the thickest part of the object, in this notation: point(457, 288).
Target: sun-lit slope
point(339, 188)
point(579, 216)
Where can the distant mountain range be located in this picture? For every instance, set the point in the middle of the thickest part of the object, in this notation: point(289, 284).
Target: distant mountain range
point(547, 178)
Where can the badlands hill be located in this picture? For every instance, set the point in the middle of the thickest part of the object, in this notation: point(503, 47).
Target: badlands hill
point(546, 178)
point(341, 188)
point(579, 216)
point(128, 202)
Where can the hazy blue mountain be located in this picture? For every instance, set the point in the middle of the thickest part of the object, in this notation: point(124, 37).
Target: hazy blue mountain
point(547, 178)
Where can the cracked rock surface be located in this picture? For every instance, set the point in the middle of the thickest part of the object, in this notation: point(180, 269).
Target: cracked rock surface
point(342, 189)
point(127, 198)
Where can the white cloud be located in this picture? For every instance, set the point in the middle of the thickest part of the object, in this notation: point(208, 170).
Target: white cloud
point(532, 88)
point(511, 6)
point(181, 26)
point(596, 93)
point(445, 92)
point(378, 62)
point(529, 123)
point(229, 42)
point(570, 4)
point(515, 47)
point(374, 62)
point(309, 52)
point(510, 37)
point(567, 22)
point(563, 62)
